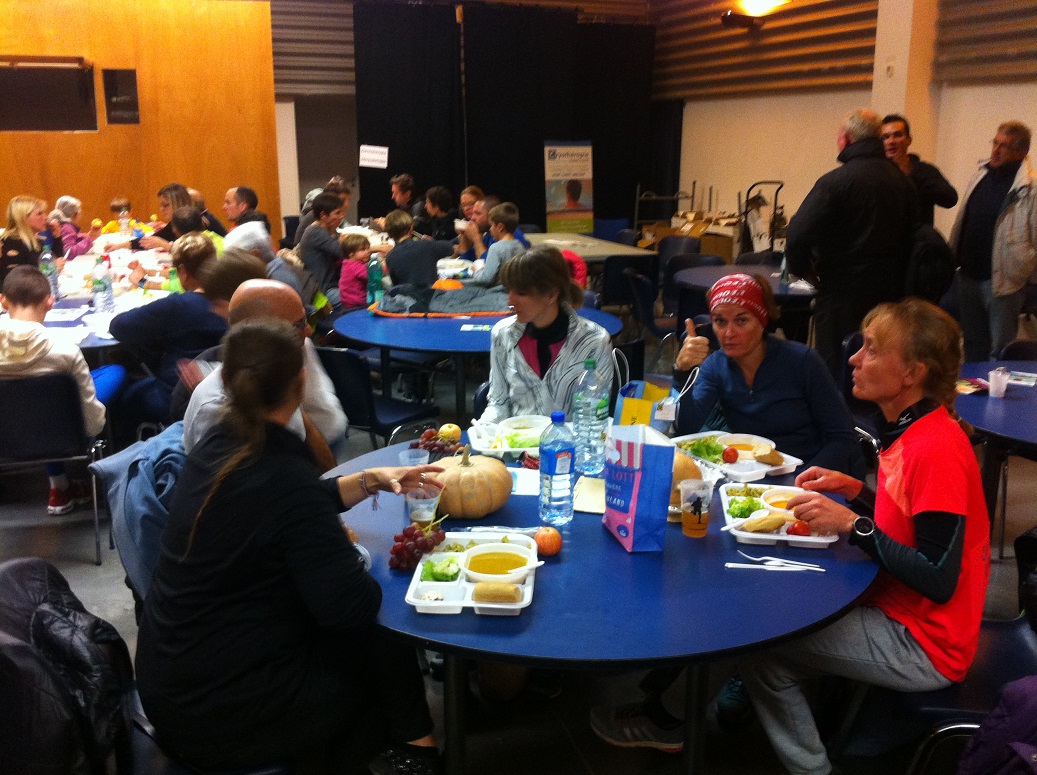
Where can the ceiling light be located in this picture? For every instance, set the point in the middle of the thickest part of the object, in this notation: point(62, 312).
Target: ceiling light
point(761, 7)
point(730, 19)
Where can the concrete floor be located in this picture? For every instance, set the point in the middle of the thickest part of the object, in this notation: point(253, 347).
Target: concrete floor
point(529, 734)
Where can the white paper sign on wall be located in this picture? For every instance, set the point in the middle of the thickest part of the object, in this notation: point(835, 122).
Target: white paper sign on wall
point(376, 156)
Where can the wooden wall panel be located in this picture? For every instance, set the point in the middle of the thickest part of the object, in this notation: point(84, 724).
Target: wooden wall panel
point(205, 85)
point(625, 11)
point(807, 44)
point(979, 40)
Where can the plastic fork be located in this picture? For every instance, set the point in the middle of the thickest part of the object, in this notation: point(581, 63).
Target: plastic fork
point(780, 561)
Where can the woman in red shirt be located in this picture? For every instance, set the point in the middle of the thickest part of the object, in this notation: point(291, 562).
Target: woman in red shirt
point(926, 525)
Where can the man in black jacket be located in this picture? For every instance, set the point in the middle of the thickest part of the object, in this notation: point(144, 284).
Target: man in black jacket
point(851, 235)
point(931, 186)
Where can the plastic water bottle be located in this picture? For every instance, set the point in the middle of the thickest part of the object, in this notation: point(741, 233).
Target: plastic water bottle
point(784, 279)
point(104, 296)
point(124, 223)
point(50, 271)
point(557, 472)
point(374, 280)
point(590, 419)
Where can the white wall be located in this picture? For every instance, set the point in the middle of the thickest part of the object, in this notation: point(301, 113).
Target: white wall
point(968, 117)
point(287, 157)
point(732, 143)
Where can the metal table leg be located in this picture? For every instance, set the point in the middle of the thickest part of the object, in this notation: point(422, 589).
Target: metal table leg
point(460, 397)
point(455, 690)
point(696, 698)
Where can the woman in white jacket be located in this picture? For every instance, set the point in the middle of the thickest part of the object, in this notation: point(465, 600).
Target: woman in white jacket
point(538, 354)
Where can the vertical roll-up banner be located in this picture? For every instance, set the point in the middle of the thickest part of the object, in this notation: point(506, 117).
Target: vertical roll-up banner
point(569, 187)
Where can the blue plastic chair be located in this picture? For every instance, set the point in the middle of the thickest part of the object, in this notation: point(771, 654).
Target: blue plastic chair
point(378, 415)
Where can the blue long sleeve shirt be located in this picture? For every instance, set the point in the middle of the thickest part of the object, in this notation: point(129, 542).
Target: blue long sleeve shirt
point(793, 402)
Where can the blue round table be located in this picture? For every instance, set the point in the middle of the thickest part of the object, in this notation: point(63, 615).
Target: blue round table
point(597, 607)
point(1009, 424)
point(453, 336)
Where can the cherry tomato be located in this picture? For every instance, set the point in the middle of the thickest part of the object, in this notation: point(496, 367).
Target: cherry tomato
point(730, 455)
point(549, 541)
point(798, 528)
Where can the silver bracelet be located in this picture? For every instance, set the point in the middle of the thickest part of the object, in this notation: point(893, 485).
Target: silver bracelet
point(372, 495)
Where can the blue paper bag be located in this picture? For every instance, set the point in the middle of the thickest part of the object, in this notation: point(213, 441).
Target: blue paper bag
point(638, 479)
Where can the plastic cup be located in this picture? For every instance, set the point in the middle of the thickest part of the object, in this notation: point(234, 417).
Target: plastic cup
point(421, 505)
point(460, 224)
point(696, 495)
point(998, 379)
point(414, 457)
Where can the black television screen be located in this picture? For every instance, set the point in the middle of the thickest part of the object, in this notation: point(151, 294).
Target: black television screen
point(47, 99)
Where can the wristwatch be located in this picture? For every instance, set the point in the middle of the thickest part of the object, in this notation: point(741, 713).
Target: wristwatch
point(863, 526)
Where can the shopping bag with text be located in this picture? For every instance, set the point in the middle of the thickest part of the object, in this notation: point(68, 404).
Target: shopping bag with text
point(638, 478)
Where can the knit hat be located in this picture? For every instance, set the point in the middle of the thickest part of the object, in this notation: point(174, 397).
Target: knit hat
point(740, 290)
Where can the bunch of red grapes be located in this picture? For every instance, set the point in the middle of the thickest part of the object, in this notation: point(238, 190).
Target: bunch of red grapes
point(412, 542)
point(430, 440)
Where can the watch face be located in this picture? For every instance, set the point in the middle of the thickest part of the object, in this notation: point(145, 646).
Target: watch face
point(863, 526)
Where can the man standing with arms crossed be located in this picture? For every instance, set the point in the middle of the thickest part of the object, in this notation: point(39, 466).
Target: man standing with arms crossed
point(994, 238)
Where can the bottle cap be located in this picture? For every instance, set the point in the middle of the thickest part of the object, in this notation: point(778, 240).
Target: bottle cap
point(557, 417)
point(590, 363)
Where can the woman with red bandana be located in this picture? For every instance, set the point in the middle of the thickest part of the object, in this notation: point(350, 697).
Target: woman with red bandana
point(765, 385)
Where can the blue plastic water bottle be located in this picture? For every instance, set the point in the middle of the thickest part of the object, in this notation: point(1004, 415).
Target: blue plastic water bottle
point(374, 280)
point(557, 472)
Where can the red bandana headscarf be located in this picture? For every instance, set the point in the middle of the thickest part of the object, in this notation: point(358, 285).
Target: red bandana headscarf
point(743, 291)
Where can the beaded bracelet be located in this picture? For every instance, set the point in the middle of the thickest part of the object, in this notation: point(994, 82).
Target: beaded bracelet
point(372, 495)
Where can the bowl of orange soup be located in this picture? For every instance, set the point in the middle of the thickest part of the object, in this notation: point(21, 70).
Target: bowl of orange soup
point(509, 563)
point(777, 498)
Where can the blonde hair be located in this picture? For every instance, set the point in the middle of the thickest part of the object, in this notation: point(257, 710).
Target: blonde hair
point(18, 210)
point(927, 335)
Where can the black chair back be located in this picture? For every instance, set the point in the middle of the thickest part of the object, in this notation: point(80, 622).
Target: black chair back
point(530, 228)
point(627, 237)
point(351, 377)
point(675, 264)
point(1020, 350)
point(615, 290)
point(675, 245)
point(41, 418)
point(644, 293)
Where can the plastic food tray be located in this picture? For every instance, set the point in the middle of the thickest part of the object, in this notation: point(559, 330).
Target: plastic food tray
point(743, 470)
point(457, 595)
point(482, 438)
point(767, 539)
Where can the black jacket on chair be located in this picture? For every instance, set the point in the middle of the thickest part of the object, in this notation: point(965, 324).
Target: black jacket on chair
point(63, 672)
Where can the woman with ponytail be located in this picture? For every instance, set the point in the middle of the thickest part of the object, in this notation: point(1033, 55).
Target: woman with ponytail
point(258, 642)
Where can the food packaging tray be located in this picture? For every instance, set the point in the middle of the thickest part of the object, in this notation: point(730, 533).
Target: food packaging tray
point(482, 437)
point(457, 594)
point(742, 470)
point(767, 539)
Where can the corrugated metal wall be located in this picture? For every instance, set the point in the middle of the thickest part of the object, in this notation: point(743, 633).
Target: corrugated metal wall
point(806, 44)
point(313, 47)
point(313, 39)
point(984, 40)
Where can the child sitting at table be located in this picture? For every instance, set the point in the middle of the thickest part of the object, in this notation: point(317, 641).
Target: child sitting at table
point(27, 349)
point(118, 206)
point(504, 220)
point(352, 283)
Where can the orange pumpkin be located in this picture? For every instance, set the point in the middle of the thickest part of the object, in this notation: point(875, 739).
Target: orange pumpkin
point(474, 485)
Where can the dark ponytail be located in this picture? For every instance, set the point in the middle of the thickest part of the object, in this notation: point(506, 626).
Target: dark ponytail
point(261, 363)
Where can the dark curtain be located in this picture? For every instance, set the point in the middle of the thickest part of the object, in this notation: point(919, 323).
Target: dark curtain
point(408, 97)
point(613, 95)
point(521, 78)
point(663, 171)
